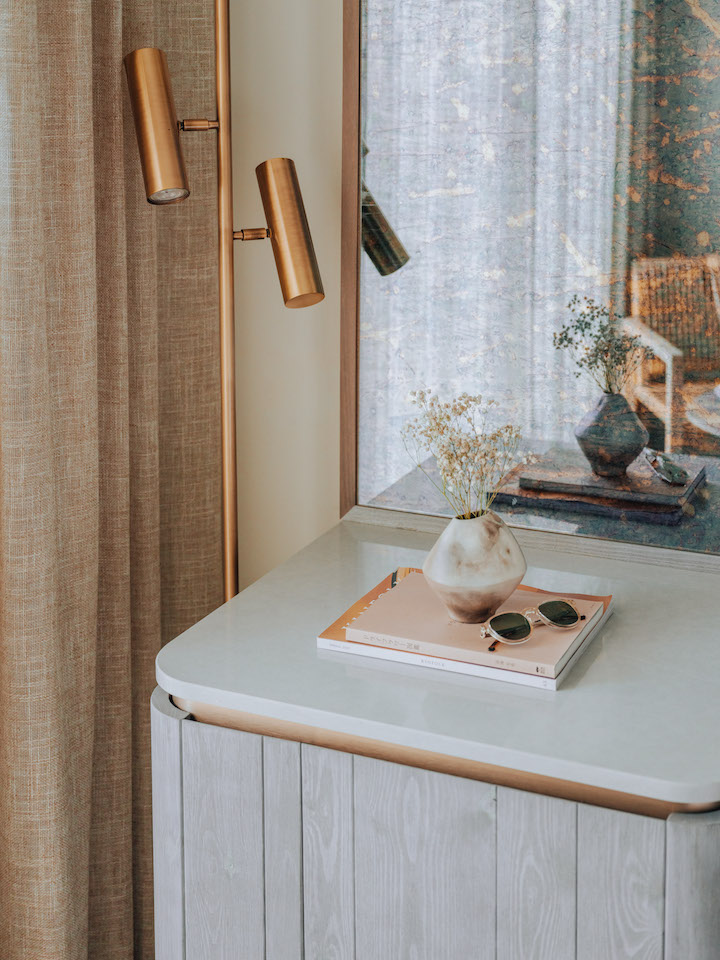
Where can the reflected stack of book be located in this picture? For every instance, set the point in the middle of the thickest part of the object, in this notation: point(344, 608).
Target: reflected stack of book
point(563, 481)
point(402, 620)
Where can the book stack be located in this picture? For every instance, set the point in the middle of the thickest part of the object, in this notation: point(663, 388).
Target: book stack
point(563, 480)
point(402, 620)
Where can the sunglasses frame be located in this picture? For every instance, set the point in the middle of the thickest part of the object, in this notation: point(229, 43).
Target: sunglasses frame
point(487, 630)
point(665, 468)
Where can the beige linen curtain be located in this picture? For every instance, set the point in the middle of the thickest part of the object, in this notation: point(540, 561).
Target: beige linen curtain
point(109, 459)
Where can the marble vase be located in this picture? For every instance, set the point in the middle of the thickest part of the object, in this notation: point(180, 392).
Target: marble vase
point(474, 567)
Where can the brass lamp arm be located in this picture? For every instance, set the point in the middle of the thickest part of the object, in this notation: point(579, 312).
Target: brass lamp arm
point(198, 126)
point(252, 233)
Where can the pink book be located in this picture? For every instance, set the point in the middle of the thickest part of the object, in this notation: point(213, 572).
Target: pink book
point(409, 618)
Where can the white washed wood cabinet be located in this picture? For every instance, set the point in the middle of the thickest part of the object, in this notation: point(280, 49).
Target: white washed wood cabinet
point(267, 849)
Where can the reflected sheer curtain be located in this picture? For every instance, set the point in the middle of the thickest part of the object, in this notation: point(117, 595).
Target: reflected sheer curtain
point(494, 146)
point(109, 460)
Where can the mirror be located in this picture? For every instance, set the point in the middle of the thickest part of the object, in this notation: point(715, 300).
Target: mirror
point(518, 156)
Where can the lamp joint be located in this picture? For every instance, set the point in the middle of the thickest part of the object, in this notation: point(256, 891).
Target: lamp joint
point(198, 125)
point(252, 233)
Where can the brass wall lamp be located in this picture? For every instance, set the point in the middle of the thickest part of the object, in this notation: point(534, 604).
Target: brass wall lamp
point(158, 134)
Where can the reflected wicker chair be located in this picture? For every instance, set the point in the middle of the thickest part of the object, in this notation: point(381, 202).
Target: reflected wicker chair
point(676, 312)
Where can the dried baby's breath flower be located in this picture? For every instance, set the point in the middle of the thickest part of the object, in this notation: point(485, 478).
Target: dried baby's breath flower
point(472, 459)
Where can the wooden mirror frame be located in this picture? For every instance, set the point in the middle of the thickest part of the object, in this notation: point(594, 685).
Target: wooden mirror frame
point(349, 255)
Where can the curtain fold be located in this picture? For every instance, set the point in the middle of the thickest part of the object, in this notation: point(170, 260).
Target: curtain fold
point(109, 459)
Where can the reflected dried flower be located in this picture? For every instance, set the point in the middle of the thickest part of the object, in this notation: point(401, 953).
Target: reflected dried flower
point(600, 349)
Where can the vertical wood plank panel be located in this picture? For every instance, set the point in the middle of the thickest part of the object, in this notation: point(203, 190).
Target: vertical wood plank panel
point(536, 853)
point(621, 885)
point(167, 815)
point(283, 850)
point(223, 798)
point(329, 921)
point(692, 895)
point(425, 864)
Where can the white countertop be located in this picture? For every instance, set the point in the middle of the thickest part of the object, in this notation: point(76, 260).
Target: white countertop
point(640, 712)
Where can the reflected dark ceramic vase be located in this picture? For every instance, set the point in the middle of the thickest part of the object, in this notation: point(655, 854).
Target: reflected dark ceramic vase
point(611, 436)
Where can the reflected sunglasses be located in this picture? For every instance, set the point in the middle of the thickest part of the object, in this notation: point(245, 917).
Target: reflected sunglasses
point(514, 627)
point(665, 468)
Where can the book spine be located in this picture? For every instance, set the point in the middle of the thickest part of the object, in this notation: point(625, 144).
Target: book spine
point(480, 658)
point(437, 663)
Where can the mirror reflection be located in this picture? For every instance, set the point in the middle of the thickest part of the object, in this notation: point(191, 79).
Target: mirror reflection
point(541, 224)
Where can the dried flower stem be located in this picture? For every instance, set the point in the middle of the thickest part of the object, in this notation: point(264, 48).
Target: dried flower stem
point(473, 461)
point(609, 356)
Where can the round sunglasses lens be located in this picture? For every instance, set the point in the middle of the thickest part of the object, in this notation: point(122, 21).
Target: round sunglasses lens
point(559, 612)
point(512, 627)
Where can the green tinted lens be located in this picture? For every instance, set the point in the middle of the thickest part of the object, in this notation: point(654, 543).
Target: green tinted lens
point(559, 612)
point(672, 473)
point(512, 627)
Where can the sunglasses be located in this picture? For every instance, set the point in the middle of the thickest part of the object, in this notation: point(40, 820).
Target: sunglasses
point(665, 468)
point(515, 627)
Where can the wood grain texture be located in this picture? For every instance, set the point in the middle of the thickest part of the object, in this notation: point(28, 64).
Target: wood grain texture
point(424, 864)
point(620, 886)
point(327, 796)
point(692, 904)
point(224, 889)
point(536, 876)
point(283, 850)
point(350, 254)
point(167, 813)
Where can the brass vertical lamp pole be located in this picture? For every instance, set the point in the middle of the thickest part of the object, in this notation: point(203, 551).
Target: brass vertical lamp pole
point(158, 134)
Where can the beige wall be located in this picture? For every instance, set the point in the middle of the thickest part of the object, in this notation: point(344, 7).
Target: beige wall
point(286, 62)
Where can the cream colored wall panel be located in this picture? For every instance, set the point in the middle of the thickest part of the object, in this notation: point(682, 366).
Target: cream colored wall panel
point(286, 63)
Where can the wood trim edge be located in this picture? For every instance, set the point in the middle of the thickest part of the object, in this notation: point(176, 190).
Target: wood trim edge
point(349, 254)
point(441, 763)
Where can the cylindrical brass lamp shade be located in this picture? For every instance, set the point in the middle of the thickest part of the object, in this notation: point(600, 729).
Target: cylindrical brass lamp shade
point(156, 126)
point(379, 240)
point(289, 232)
